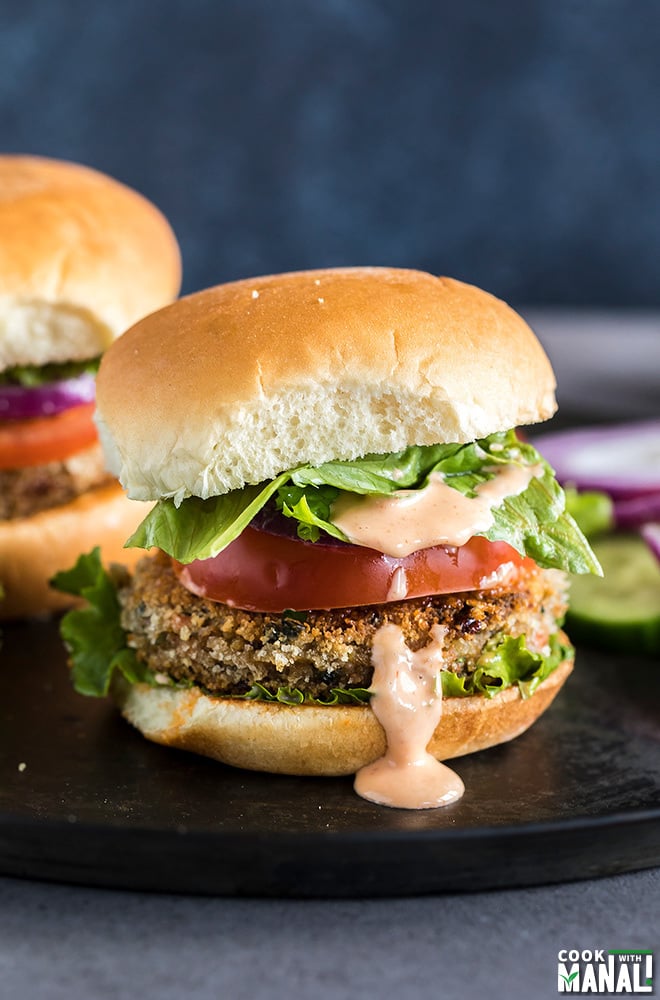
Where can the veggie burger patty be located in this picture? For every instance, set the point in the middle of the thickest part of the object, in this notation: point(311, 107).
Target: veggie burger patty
point(26, 491)
point(227, 650)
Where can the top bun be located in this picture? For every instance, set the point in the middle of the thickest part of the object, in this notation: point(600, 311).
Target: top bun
point(238, 383)
point(82, 257)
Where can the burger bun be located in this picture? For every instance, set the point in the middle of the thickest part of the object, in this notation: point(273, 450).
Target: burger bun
point(249, 379)
point(33, 549)
point(82, 258)
point(317, 740)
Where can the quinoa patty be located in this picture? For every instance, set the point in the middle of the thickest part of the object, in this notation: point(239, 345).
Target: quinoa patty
point(27, 491)
point(226, 650)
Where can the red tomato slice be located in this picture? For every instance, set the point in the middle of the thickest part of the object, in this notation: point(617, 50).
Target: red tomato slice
point(260, 571)
point(46, 439)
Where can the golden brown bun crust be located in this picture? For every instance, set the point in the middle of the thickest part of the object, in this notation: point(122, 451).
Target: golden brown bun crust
point(85, 255)
point(33, 548)
point(240, 382)
point(313, 740)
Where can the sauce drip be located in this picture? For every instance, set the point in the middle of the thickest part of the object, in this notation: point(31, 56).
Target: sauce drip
point(399, 585)
point(407, 701)
point(409, 520)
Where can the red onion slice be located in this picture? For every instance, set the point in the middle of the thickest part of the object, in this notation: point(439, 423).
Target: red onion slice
point(272, 522)
point(651, 535)
point(635, 511)
point(622, 460)
point(18, 402)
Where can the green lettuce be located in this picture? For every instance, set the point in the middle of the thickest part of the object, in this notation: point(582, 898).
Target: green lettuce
point(200, 529)
point(93, 634)
point(31, 376)
point(506, 662)
point(593, 511)
point(535, 522)
point(294, 696)
point(311, 509)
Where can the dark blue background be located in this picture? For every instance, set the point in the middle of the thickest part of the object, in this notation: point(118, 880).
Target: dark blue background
point(513, 144)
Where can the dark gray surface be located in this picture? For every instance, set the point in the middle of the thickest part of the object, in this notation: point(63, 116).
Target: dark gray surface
point(85, 799)
point(512, 144)
point(58, 943)
point(607, 364)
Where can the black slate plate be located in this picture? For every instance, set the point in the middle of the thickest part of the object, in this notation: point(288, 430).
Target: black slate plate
point(575, 797)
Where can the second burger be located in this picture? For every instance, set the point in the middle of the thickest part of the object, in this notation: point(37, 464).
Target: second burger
point(82, 257)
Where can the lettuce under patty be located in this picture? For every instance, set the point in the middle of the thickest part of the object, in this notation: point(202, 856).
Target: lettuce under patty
point(505, 662)
point(97, 648)
point(535, 522)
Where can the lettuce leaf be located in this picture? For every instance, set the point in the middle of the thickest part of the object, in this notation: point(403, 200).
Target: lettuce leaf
point(200, 529)
point(377, 474)
point(503, 663)
point(535, 521)
point(592, 511)
point(31, 376)
point(294, 696)
point(536, 524)
point(311, 510)
point(93, 634)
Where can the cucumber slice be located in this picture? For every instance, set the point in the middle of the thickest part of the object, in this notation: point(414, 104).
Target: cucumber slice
point(621, 610)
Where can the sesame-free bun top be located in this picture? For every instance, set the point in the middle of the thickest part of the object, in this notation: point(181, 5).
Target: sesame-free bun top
point(238, 383)
point(82, 257)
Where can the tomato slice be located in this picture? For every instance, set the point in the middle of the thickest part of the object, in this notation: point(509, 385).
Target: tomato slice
point(46, 439)
point(260, 571)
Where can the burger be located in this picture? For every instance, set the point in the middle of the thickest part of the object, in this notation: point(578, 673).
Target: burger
point(82, 257)
point(358, 558)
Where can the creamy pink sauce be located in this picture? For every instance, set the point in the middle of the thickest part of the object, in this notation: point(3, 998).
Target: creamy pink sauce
point(407, 701)
point(398, 586)
point(409, 520)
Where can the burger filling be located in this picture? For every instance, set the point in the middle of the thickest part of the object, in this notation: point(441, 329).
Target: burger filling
point(27, 491)
point(502, 489)
point(493, 638)
point(49, 452)
point(317, 601)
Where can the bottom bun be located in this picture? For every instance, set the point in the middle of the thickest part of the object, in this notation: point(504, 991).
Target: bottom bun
point(33, 548)
point(311, 739)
